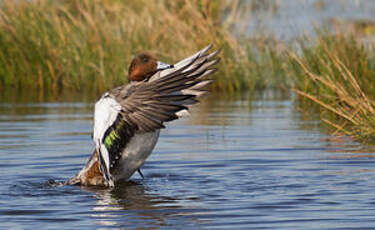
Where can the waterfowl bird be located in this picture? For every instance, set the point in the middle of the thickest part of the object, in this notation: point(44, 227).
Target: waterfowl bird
point(128, 119)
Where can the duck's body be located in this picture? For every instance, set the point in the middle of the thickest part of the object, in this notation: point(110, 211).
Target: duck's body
point(132, 158)
point(128, 119)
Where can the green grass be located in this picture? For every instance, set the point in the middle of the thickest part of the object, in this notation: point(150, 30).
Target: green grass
point(50, 46)
point(336, 72)
point(85, 46)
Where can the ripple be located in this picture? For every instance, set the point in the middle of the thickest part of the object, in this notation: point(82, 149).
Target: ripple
point(256, 171)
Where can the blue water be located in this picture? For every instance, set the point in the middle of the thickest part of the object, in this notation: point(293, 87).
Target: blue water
point(235, 164)
point(288, 20)
point(240, 163)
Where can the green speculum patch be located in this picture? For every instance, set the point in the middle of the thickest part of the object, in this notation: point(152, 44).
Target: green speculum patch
point(108, 141)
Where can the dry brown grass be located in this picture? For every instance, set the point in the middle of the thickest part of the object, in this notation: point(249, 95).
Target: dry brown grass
point(337, 74)
point(87, 44)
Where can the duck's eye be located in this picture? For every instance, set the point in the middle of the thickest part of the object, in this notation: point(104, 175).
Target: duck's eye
point(145, 59)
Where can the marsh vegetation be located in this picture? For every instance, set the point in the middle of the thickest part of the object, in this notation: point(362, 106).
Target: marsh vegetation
point(54, 47)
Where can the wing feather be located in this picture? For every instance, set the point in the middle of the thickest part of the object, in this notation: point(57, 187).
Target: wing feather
point(145, 106)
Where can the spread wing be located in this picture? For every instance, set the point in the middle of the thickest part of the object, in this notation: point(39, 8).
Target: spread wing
point(145, 106)
point(201, 62)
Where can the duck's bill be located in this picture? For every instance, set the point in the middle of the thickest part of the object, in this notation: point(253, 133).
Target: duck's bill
point(162, 65)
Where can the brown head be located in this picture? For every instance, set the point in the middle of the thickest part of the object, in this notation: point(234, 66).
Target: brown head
point(144, 65)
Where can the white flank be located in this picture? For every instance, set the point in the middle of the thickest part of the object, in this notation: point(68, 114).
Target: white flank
point(106, 111)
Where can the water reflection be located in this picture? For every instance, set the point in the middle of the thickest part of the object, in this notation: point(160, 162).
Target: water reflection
point(134, 197)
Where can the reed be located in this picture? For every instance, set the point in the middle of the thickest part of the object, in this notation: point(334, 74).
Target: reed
point(48, 46)
point(336, 72)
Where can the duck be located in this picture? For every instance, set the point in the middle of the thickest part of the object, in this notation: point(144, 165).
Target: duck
point(128, 118)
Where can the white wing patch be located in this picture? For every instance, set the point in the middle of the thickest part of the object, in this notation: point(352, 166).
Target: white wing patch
point(106, 111)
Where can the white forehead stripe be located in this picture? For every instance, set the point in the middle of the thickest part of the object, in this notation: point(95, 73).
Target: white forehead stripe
point(162, 65)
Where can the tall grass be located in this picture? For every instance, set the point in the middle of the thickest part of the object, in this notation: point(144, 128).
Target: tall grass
point(336, 71)
point(86, 45)
point(47, 46)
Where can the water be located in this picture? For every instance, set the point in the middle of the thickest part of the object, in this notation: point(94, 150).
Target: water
point(288, 20)
point(235, 164)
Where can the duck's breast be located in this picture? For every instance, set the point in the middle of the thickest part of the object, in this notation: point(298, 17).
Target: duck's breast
point(135, 154)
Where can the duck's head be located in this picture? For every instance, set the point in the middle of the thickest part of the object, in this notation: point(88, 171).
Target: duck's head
point(144, 65)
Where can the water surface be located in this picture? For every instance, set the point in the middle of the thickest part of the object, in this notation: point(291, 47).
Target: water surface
point(236, 163)
point(288, 20)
